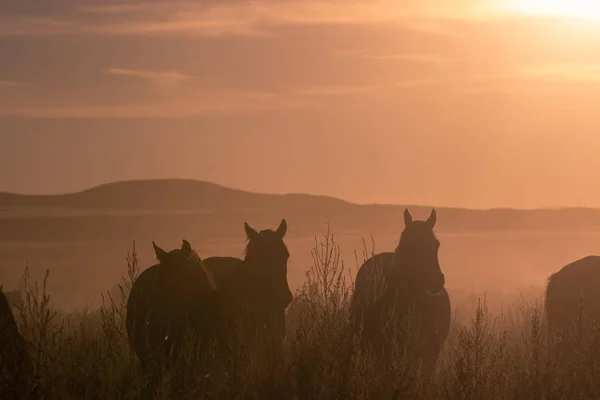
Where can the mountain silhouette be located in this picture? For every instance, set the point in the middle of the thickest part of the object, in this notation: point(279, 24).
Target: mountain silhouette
point(192, 196)
point(165, 194)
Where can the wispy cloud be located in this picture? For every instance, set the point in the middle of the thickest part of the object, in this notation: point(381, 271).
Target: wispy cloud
point(163, 77)
point(218, 102)
point(410, 57)
point(253, 17)
point(18, 25)
point(215, 102)
point(224, 102)
point(321, 91)
point(127, 8)
point(12, 84)
point(239, 103)
point(569, 72)
point(424, 58)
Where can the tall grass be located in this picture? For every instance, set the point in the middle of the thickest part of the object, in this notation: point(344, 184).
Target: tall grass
point(85, 355)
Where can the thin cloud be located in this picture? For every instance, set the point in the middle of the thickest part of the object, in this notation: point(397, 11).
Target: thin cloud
point(564, 72)
point(164, 77)
point(232, 103)
point(237, 103)
point(424, 58)
point(539, 79)
point(455, 84)
point(322, 91)
point(34, 26)
point(125, 8)
point(12, 84)
point(222, 102)
point(245, 18)
point(411, 57)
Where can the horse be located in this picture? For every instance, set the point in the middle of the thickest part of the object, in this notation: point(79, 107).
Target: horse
point(14, 358)
point(400, 286)
point(573, 292)
point(253, 291)
point(167, 299)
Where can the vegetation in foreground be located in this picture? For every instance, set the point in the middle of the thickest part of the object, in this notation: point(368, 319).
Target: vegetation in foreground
point(85, 355)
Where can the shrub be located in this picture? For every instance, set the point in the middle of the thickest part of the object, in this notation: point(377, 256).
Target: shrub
point(85, 355)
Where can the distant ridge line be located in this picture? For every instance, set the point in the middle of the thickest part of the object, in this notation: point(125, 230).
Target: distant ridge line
point(153, 187)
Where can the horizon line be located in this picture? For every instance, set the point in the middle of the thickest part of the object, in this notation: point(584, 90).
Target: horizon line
point(455, 208)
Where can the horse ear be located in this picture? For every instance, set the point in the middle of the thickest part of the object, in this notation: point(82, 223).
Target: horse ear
point(186, 249)
point(282, 228)
point(407, 218)
point(432, 218)
point(251, 233)
point(161, 255)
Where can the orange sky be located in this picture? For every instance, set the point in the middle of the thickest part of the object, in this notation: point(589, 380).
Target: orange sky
point(462, 103)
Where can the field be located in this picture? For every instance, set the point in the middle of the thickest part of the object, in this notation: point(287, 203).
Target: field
point(508, 355)
point(503, 265)
point(497, 348)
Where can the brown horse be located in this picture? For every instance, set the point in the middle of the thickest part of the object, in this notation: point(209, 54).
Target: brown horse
point(254, 289)
point(14, 359)
point(406, 283)
point(165, 300)
point(573, 292)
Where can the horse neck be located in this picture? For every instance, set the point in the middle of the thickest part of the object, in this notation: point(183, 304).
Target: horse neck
point(251, 264)
point(251, 286)
point(401, 260)
point(246, 280)
point(400, 271)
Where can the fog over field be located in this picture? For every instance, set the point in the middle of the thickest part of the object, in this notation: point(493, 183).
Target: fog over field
point(83, 238)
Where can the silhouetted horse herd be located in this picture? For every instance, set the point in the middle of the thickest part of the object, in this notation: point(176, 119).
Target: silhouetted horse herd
point(210, 298)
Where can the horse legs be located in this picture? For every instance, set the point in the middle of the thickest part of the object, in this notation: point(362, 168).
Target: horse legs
point(429, 361)
point(155, 360)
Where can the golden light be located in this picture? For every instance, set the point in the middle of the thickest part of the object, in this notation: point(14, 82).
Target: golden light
point(587, 9)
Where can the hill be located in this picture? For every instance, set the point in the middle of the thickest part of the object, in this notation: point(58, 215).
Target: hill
point(82, 237)
point(165, 194)
point(169, 199)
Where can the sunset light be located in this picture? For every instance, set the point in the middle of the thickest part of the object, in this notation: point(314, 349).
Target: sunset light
point(586, 9)
point(292, 199)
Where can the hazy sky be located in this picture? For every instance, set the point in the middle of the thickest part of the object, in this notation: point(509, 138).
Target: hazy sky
point(445, 102)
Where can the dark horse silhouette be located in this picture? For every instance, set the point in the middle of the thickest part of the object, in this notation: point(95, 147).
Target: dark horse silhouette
point(573, 292)
point(166, 300)
point(253, 291)
point(208, 297)
point(406, 283)
point(14, 360)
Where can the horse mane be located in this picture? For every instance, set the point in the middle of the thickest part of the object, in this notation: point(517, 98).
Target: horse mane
point(211, 279)
point(249, 243)
point(194, 256)
point(248, 246)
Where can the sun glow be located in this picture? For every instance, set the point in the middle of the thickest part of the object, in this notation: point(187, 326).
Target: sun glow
point(587, 9)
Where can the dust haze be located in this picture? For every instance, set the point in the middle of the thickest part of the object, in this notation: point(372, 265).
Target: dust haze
point(502, 255)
